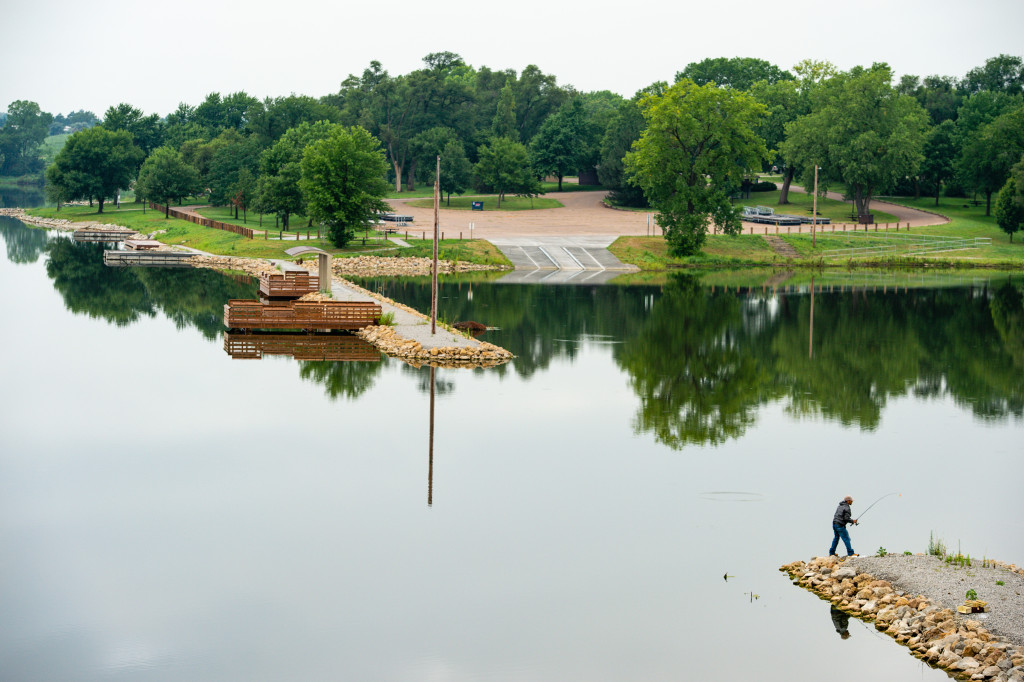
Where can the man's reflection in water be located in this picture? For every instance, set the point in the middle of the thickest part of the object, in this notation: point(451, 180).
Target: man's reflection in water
point(841, 621)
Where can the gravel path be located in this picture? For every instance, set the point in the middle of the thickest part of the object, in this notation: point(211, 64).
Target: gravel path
point(946, 584)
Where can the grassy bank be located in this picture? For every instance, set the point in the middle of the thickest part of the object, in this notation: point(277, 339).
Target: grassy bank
point(720, 251)
point(184, 233)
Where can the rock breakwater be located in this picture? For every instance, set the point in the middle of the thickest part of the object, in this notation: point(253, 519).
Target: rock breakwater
point(938, 635)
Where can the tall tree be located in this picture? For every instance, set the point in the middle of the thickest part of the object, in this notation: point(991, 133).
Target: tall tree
point(456, 171)
point(95, 164)
point(147, 131)
point(988, 155)
point(1004, 73)
point(736, 72)
point(1010, 203)
point(343, 181)
point(861, 131)
point(24, 129)
point(566, 143)
point(504, 167)
point(939, 156)
point(698, 144)
point(504, 123)
point(280, 169)
point(165, 176)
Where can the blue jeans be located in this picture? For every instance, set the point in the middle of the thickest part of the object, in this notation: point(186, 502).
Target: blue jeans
point(840, 532)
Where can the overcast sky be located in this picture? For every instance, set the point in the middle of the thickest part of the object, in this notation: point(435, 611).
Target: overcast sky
point(68, 56)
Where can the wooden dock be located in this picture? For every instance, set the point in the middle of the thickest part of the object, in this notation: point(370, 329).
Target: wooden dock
point(324, 347)
point(291, 284)
point(307, 315)
point(160, 259)
point(96, 235)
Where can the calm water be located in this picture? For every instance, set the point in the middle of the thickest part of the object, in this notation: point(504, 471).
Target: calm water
point(170, 513)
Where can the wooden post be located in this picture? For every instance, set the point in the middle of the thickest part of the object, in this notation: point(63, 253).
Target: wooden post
point(814, 210)
point(433, 267)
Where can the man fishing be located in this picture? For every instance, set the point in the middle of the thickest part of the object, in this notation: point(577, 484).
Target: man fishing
point(839, 521)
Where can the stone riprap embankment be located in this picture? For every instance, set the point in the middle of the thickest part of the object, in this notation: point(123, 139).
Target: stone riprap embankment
point(378, 266)
point(963, 645)
point(61, 224)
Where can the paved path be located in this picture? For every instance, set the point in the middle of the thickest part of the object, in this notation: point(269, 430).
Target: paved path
point(584, 214)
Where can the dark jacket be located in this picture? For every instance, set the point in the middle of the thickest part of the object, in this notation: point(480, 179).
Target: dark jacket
point(843, 515)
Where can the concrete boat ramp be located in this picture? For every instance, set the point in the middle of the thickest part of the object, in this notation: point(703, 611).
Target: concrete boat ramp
point(570, 254)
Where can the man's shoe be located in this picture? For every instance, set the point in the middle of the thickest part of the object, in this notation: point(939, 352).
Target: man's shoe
point(850, 555)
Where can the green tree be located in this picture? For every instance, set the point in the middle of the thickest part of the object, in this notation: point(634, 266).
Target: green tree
point(343, 181)
point(1010, 206)
point(988, 155)
point(165, 176)
point(698, 144)
point(244, 192)
point(738, 73)
point(280, 169)
point(939, 156)
point(24, 129)
point(456, 171)
point(566, 142)
point(95, 163)
point(1004, 73)
point(785, 100)
point(147, 131)
point(861, 131)
point(623, 130)
point(504, 167)
point(504, 123)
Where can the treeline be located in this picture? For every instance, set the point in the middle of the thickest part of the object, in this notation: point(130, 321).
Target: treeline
point(499, 131)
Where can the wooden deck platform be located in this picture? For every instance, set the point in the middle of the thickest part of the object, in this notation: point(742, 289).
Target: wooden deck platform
point(289, 284)
point(87, 235)
point(329, 347)
point(309, 315)
point(160, 259)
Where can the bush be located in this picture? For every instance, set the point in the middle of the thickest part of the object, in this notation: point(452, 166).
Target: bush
point(763, 187)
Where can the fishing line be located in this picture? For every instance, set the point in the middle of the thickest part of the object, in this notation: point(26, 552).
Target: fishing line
point(861, 516)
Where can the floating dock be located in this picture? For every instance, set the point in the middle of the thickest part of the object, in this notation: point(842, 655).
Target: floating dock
point(161, 259)
point(306, 315)
point(91, 235)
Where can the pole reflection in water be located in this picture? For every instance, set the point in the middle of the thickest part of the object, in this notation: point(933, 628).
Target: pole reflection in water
point(810, 336)
point(430, 466)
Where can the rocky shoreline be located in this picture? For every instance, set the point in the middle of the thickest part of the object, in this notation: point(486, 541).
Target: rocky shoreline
point(966, 646)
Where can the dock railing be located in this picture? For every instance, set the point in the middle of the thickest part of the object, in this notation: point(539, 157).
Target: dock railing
point(289, 284)
point(247, 314)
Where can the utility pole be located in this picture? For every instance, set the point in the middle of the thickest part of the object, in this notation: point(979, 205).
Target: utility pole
point(433, 268)
point(814, 210)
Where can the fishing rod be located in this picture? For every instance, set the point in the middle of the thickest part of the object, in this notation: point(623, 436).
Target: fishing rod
point(874, 503)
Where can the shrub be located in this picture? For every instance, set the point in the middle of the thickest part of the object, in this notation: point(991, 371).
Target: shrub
point(763, 187)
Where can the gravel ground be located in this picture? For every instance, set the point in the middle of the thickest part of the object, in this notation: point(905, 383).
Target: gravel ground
point(945, 584)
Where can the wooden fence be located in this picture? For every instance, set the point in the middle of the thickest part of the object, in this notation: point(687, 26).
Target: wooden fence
point(205, 222)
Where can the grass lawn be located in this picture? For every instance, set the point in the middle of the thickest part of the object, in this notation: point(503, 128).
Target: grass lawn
point(801, 204)
point(473, 251)
point(509, 203)
point(967, 221)
point(221, 242)
point(651, 253)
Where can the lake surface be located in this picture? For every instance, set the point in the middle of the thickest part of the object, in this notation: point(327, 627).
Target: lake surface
point(168, 512)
